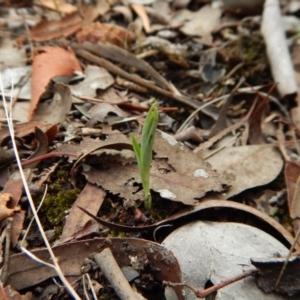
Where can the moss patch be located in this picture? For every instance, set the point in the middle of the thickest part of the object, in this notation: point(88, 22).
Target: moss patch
point(60, 198)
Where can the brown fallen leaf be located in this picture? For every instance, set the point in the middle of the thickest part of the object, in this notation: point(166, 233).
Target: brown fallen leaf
point(59, 5)
point(14, 188)
point(142, 13)
point(6, 212)
point(202, 23)
point(191, 133)
point(47, 30)
point(95, 79)
point(176, 173)
point(42, 143)
point(89, 145)
point(279, 231)
point(9, 294)
point(253, 165)
point(49, 62)
point(6, 155)
point(106, 33)
point(90, 197)
point(25, 272)
point(101, 111)
point(55, 110)
point(23, 129)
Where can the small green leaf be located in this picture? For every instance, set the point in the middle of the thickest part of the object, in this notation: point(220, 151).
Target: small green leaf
point(143, 153)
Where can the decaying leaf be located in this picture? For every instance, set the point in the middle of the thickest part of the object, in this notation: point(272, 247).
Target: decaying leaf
point(47, 30)
point(25, 272)
point(278, 231)
point(202, 23)
point(6, 212)
point(104, 32)
point(9, 294)
point(176, 173)
point(42, 146)
point(95, 78)
point(10, 56)
point(89, 145)
point(141, 12)
point(55, 110)
point(252, 166)
point(23, 129)
point(100, 112)
point(91, 197)
point(269, 270)
point(61, 5)
point(49, 62)
point(217, 251)
point(14, 188)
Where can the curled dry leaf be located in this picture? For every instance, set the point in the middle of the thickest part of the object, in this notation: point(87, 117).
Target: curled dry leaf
point(55, 110)
point(102, 32)
point(42, 146)
point(49, 62)
point(6, 212)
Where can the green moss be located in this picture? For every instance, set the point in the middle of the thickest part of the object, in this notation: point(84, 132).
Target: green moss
point(59, 199)
point(116, 233)
point(56, 206)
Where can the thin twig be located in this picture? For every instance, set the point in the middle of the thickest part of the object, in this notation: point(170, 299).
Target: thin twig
point(4, 271)
point(31, 221)
point(287, 259)
point(223, 283)
point(204, 293)
point(132, 77)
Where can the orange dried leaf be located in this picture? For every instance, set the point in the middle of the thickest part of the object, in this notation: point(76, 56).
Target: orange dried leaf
point(61, 5)
point(47, 30)
point(5, 212)
point(49, 62)
point(102, 32)
point(141, 12)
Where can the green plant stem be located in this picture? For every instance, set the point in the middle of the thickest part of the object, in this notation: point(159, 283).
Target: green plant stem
point(143, 152)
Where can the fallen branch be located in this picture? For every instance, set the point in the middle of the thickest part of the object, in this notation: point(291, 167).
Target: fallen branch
point(115, 276)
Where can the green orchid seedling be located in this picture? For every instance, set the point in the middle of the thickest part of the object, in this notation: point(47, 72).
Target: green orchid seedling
point(143, 152)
